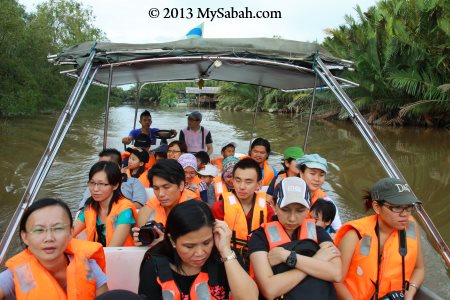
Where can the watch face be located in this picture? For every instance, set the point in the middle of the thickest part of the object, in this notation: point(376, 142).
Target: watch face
point(292, 260)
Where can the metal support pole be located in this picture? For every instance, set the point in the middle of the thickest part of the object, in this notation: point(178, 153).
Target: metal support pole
point(379, 151)
point(310, 114)
point(59, 132)
point(105, 129)
point(254, 117)
point(136, 102)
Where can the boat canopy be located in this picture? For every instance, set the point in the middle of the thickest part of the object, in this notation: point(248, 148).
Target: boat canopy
point(268, 62)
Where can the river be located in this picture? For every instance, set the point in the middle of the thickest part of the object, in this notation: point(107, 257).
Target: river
point(421, 154)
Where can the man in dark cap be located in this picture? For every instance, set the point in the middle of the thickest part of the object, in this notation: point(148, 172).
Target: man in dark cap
point(196, 137)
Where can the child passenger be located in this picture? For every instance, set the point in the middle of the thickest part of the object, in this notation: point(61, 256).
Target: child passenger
point(136, 165)
point(324, 211)
point(227, 150)
point(207, 175)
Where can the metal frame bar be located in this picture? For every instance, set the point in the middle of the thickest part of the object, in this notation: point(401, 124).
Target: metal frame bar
point(105, 129)
point(310, 114)
point(379, 151)
point(254, 117)
point(58, 135)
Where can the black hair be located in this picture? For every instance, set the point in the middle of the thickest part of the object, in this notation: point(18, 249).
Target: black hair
point(203, 156)
point(145, 113)
point(182, 145)
point(368, 201)
point(326, 208)
point(168, 169)
point(114, 177)
point(41, 203)
point(288, 160)
point(114, 154)
point(261, 142)
point(184, 218)
point(248, 163)
point(161, 154)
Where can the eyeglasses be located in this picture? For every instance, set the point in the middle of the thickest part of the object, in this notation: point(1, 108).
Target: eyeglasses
point(40, 232)
point(173, 151)
point(100, 185)
point(399, 209)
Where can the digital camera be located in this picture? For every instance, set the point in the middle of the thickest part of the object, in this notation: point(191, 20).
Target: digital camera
point(394, 295)
point(147, 233)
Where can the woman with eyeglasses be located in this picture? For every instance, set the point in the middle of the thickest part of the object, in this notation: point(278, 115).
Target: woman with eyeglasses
point(175, 149)
point(107, 216)
point(53, 265)
point(382, 253)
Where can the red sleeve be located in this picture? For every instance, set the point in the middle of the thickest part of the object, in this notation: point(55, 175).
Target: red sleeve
point(218, 211)
point(270, 213)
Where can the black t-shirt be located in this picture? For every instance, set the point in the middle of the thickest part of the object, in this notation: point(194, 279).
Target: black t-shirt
point(258, 240)
point(149, 286)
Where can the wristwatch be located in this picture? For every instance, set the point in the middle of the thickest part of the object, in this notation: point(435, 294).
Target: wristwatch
point(291, 260)
point(230, 256)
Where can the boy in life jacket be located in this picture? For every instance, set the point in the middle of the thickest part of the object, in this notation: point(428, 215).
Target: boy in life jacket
point(244, 209)
point(207, 175)
point(227, 150)
point(324, 211)
point(136, 165)
point(260, 151)
point(291, 257)
point(202, 159)
point(166, 178)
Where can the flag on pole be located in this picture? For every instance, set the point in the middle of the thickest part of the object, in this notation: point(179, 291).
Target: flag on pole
point(196, 32)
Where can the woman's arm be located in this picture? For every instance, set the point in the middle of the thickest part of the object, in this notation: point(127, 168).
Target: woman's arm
point(347, 247)
point(242, 287)
point(102, 289)
point(78, 226)
point(270, 285)
point(120, 235)
point(418, 274)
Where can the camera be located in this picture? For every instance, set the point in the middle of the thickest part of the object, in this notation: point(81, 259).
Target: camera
point(147, 233)
point(394, 295)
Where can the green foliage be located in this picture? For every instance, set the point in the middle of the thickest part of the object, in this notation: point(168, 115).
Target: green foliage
point(28, 83)
point(402, 60)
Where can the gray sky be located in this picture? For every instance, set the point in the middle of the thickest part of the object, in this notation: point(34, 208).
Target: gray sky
point(129, 21)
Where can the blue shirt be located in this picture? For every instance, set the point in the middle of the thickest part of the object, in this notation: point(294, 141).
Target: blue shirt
point(135, 132)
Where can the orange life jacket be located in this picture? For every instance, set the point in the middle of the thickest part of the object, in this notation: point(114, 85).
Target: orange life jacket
point(362, 272)
point(220, 187)
point(277, 236)
point(33, 281)
point(234, 216)
point(90, 217)
point(143, 178)
point(159, 214)
point(199, 289)
point(218, 162)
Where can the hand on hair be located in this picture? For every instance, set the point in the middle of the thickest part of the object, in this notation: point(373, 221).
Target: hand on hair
point(327, 252)
point(277, 256)
point(222, 237)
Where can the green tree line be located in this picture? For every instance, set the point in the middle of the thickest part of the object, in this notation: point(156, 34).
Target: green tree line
point(28, 82)
point(401, 55)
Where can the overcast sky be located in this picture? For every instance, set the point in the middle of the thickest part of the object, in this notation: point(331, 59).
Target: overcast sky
point(129, 21)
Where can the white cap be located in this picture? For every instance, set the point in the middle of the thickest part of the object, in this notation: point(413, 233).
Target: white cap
point(209, 170)
point(292, 190)
point(228, 144)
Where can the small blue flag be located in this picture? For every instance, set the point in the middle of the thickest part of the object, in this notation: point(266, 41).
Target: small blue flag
point(196, 32)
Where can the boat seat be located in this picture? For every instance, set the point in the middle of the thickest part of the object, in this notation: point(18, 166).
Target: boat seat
point(122, 267)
